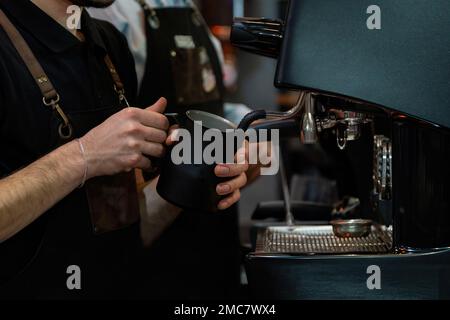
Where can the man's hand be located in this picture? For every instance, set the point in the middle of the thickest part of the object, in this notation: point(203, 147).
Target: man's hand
point(240, 173)
point(124, 140)
point(238, 178)
point(116, 145)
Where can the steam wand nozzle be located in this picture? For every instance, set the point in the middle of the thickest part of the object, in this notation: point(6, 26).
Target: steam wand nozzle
point(309, 128)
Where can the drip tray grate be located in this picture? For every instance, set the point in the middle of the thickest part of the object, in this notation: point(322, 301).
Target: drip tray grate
point(320, 240)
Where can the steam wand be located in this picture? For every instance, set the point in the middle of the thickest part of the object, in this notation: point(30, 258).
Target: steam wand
point(271, 115)
point(286, 194)
point(308, 135)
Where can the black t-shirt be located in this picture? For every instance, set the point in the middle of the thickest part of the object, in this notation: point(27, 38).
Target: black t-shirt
point(76, 69)
point(28, 130)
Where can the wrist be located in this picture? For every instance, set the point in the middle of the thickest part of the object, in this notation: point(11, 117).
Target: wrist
point(86, 165)
point(74, 162)
point(88, 153)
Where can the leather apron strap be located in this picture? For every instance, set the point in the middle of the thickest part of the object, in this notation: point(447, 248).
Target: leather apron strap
point(51, 97)
point(35, 68)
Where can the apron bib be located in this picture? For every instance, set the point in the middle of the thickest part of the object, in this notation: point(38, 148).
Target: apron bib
point(178, 51)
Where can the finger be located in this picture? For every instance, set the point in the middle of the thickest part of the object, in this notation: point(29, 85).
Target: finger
point(135, 161)
point(229, 201)
point(154, 135)
point(153, 149)
point(153, 119)
point(144, 163)
point(242, 154)
point(232, 185)
point(265, 149)
point(159, 106)
point(252, 153)
point(152, 116)
point(173, 128)
point(230, 170)
point(173, 136)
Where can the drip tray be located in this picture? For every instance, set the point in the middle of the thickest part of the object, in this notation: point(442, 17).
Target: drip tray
point(309, 240)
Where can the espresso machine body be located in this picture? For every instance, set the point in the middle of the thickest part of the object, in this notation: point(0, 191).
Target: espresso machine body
point(401, 69)
point(327, 46)
point(386, 68)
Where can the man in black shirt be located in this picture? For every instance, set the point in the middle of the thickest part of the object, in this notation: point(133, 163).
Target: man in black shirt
point(48, 226)
point(45, 225)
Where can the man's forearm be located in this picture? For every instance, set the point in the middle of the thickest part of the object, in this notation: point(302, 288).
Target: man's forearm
point(28, 193)
point(157, 214)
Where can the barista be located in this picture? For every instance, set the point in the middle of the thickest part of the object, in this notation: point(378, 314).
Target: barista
point(197, 254)
point(57, 85)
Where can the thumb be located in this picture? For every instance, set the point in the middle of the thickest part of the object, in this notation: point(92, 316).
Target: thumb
point(159, 106)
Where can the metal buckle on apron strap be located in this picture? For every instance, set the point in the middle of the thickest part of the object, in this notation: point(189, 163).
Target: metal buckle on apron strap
point(65, 129)
point(51, 97)
point(118, 85)
point(154, 20)
point(152, 17)
point(122, 97)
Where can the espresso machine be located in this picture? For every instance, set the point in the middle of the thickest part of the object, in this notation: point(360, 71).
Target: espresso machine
point(374, 73)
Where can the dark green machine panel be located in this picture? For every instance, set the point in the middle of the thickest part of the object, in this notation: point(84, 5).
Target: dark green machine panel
point(404, 66)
